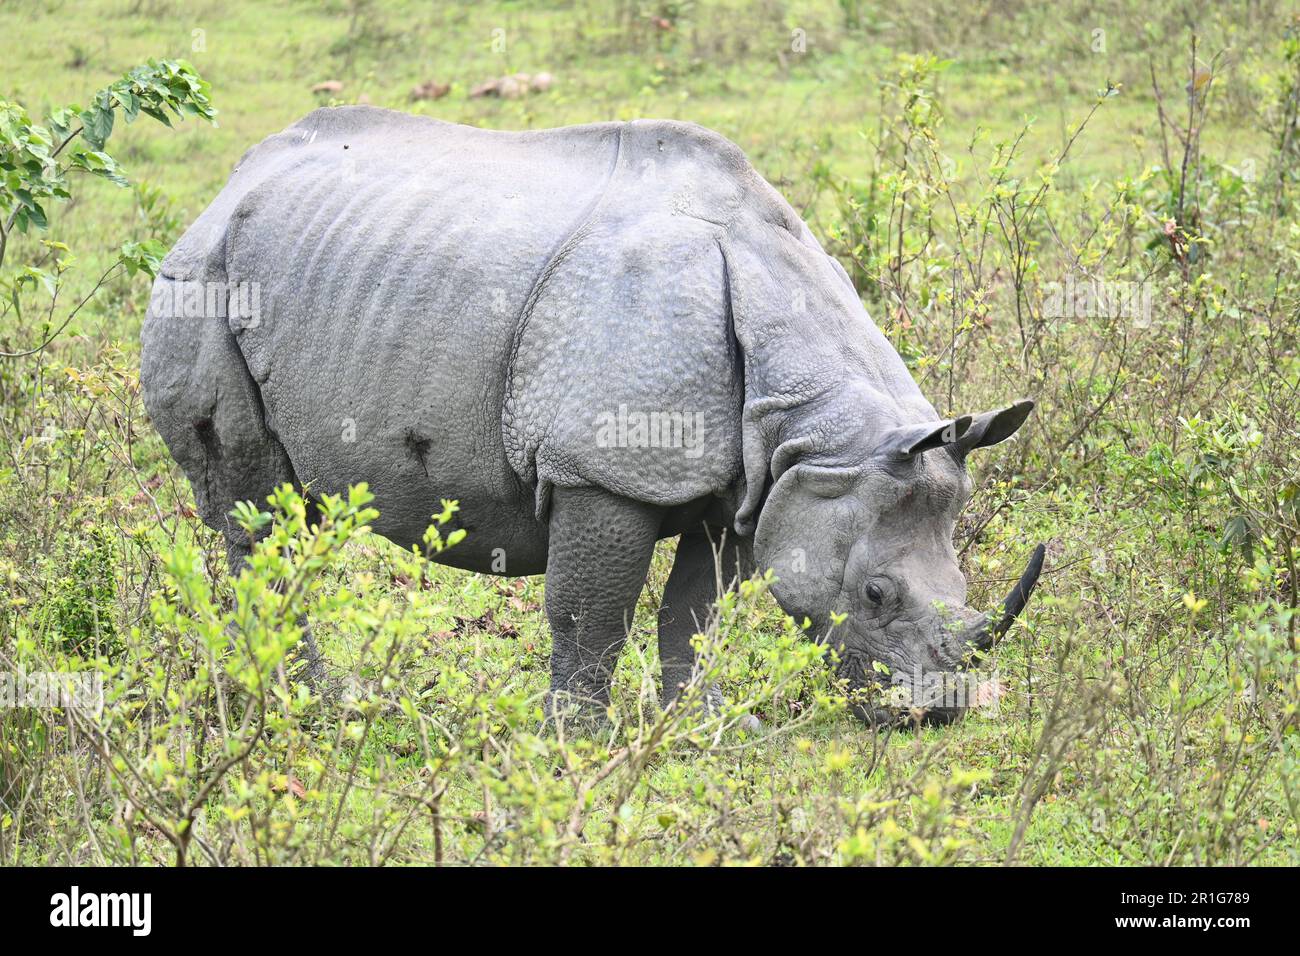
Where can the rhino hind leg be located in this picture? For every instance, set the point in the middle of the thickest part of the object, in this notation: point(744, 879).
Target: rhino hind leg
point(599, 551)
point(207, 408)
point(707, 563)
point(238, 550)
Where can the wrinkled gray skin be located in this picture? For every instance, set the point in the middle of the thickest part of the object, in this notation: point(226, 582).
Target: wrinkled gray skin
point(448, 312)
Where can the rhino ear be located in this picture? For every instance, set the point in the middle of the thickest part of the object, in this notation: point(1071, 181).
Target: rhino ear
point(989, 428)
point(907, 440)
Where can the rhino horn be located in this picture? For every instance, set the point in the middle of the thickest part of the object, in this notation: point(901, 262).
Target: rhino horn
point(989, 630)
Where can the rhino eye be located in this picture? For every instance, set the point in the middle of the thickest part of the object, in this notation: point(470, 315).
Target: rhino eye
point(874, 594)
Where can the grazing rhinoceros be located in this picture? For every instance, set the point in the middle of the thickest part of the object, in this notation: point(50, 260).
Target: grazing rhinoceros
point(593, 338)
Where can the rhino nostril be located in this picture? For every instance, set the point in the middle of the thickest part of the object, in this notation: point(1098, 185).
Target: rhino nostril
point(934, 656)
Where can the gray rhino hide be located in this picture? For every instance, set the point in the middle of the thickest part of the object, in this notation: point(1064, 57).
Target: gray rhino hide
point(447, 312)
point(463, 295)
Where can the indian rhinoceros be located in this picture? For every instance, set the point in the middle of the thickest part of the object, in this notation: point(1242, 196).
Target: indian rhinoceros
point(592, 337)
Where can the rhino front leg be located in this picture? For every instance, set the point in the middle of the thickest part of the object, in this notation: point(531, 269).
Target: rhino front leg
point(598, 554)
point(705, 562)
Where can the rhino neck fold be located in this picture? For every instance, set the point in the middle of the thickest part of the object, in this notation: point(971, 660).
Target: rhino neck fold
point(821, 381)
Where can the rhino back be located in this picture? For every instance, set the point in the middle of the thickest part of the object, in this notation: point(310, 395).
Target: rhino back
point(444, 311)
point(392, 256)
point(468, 306)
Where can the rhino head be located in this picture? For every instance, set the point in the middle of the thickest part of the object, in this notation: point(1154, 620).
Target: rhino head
point(852, 485)
point(864, 553)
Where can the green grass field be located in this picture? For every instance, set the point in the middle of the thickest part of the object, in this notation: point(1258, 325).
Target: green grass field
point(963, 164)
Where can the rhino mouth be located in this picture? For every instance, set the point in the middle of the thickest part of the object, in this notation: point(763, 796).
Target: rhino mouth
point(939, 695)
point(933, 696)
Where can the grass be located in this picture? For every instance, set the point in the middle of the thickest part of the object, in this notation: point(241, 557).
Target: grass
point(1152, 713)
